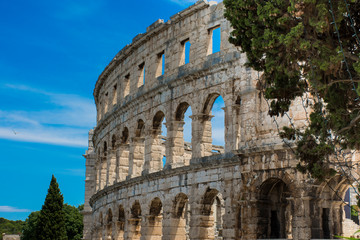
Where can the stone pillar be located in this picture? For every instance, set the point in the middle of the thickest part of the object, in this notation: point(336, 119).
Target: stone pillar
point(122, 162)
point(119, 233)
point(174, 228)
point(109, 231)
point(134, 228)
point(232, 127)
point(90, 187)
point(136, 161)
point(201, 135)
point(301, 223)
point(249, 219)
point(103, 172)
point(153, 151)
point(337, 218)
point(151, 228)
point(111, 167)
point(202, 227)
point(175, 144)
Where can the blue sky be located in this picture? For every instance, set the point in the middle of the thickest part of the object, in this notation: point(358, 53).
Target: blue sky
point(51, 53)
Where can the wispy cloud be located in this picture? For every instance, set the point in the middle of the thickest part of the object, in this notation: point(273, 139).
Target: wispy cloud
point(65, 119)
point(10, 209)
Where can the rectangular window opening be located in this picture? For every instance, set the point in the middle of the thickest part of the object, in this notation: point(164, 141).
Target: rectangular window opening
point(142, 74)
point(161, 64)
point(215, 40)
point(114, 101)
point(127, 85)
point(185, 53)
point(106, 102)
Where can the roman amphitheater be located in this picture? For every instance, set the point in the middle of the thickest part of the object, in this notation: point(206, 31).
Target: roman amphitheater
point(247, 189)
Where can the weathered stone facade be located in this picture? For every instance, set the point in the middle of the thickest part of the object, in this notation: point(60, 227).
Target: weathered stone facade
point(250, 189)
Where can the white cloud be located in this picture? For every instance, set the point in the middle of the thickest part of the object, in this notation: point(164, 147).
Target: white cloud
point(65, 120)
point(12, 209)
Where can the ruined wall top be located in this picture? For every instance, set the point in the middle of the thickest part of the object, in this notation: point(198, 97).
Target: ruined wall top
point(161, 39)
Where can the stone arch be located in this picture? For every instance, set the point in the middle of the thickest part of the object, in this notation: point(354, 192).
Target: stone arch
point(140, 129)
point(180, 217)
point(180, 111)
point(120, 223)
point(154, 220)
point(113, 142)
point(155, 144)
point(99, 230)
point(180, 203)
point(137, 150)
point(207, 121)
point(180, 152)
point(275, 209)
point(157, 120)
point(105, 148)
point(122, 155)
point(134, 222)
point(109, 223)
point(328, 209)
point(212, 211)
point(125, 135)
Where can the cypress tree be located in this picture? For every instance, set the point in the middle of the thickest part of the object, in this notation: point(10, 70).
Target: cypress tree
point(51, 222)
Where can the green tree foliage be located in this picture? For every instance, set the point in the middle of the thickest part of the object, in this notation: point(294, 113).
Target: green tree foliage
point(51, 220)
point(10, 227)
point(29, 229)
point(295, 44)
point(73, 222)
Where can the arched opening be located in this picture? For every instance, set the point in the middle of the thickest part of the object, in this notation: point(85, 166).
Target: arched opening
point(103, 174)
point(155, 145)
point(275, 211)
point(213, 126)
point(137, 151)
point(135, 221)
point(109, 221)
point(182, 148)
point(122, 165)
point(121, 223)
point(98, 170)
point(112, 162)
point(212, 212)
point(180, 218)
point(328, 209)
point(154, 220)
point(100, 227)
point(160, 132)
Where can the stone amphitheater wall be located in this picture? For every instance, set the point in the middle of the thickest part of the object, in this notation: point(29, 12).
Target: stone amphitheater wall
point(236, 191)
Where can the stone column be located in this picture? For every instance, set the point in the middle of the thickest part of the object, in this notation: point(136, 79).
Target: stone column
point(301, 223)
point(151, 228)
point(111, 167)
point(136, 161)
point(249, 219)
point(337, 218)
point(201, 135)
point(232, 127)
point(134, 228)
point(103, 172)
point(175, 144)
point(122, 159)
point(153, 151)
point(90, 187)
point(119, 233)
